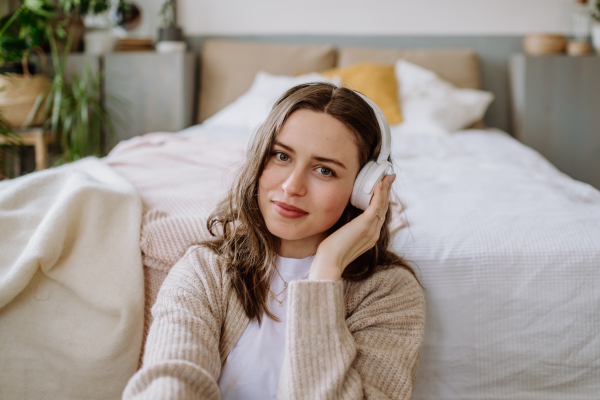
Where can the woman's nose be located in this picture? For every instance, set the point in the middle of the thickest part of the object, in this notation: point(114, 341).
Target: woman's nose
point(295, 184)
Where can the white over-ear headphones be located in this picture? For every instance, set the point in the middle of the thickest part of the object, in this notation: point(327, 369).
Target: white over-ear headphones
point(373, 171)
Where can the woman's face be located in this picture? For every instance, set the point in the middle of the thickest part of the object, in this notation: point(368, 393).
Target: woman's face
point(307, 181)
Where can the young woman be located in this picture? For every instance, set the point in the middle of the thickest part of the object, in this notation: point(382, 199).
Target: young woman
point(297, 297)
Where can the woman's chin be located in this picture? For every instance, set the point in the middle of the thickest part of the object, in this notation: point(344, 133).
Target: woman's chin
point(289, 232)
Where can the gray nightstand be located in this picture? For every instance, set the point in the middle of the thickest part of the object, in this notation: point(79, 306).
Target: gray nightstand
point(157, 91)
point(556, 111)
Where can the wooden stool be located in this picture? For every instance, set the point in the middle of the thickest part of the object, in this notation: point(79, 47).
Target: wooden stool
point(39, 139)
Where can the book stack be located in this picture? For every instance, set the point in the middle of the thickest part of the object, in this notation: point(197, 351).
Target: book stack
point(134, 44)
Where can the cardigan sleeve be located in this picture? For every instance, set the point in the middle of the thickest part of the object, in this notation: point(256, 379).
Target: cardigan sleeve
point(366, 350)
point(181, 359)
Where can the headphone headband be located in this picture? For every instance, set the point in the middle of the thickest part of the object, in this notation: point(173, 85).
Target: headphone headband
point(384, 128)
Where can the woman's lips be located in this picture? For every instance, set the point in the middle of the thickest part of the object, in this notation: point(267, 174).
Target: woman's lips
point(288, 211)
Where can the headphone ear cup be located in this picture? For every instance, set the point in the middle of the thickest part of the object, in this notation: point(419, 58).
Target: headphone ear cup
point(359, 198)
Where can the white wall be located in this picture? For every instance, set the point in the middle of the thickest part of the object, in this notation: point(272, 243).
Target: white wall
point(373, 17)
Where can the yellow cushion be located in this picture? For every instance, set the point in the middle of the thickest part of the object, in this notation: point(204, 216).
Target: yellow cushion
point(376, 81)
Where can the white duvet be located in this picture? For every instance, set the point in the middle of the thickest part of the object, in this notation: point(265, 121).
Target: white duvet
point(509, 252)
point(508, 249)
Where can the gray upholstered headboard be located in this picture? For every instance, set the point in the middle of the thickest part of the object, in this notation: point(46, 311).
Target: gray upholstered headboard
point(492, 56)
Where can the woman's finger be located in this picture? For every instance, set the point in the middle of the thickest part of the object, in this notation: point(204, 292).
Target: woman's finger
point(390, 180)
point(384, 195)
point(375, 198)
point(376, 211)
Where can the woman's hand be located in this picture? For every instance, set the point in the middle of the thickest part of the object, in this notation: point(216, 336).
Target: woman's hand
point(346, 244)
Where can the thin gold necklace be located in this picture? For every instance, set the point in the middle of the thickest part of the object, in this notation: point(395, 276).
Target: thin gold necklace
point(285, 286)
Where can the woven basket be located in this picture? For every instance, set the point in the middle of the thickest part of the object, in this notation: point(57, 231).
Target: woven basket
point(20, 93)
point(539, 44)
point(578, 48)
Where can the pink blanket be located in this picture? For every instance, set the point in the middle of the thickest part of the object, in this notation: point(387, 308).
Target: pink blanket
point(180, 178)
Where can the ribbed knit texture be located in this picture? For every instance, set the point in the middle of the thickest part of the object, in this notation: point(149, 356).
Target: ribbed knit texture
point(344, 340)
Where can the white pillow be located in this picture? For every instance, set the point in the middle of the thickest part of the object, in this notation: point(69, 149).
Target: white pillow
point(252, 107)
point(433, 105)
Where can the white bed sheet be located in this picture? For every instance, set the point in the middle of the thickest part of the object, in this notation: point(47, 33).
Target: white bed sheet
point(509, 253)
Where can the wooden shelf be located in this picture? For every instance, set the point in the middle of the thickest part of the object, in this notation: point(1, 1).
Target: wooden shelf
point(39, 139)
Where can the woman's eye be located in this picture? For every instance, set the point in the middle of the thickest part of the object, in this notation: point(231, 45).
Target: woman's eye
point(325, 171)
point(282, 156)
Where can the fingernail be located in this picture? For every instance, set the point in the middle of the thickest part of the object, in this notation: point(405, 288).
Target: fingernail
point(380, 184)
point(393, 178)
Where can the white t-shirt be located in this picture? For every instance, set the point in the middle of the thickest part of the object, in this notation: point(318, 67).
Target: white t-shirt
point(252, 369)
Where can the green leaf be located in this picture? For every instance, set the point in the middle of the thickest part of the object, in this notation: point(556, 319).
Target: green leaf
point(56, 111)
point(32, 116)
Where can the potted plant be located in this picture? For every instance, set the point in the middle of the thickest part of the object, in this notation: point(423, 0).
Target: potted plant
point(170, 36)
point(169, 31)
point(596, 27)
point(71, 106)
point(99, 37)
point(74, 111)
point(25, 29)
point(69, 17)
point(19, 91)
point(21, 31)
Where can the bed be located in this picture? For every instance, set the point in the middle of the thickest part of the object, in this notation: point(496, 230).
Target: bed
point(507, 247)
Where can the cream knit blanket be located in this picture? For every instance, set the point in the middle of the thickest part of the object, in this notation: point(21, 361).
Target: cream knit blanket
point(71, 283)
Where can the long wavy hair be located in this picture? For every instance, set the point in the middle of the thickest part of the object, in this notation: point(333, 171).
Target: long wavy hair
point(240, 234)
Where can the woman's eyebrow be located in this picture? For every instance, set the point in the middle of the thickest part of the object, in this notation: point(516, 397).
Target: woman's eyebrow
point(288, 148)
point(329, 160)
point(320, 159)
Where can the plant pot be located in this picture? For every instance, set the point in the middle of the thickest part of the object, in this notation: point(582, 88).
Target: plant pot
point(99, 42)
point(170, 46)
point(20, 93)
point(596, 36)
point(170, 33)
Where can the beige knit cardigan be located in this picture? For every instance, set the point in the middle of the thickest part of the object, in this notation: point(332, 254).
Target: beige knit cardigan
point(344, 340)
